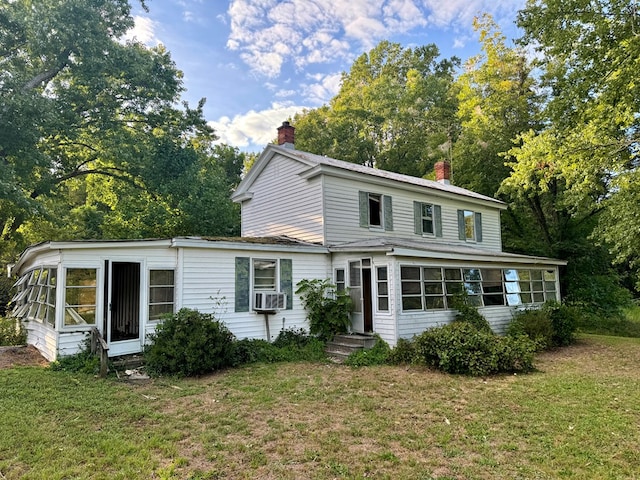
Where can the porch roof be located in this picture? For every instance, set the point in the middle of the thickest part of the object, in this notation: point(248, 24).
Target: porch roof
point(400, 247)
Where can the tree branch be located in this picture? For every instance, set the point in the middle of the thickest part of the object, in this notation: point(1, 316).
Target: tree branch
point(47, 76)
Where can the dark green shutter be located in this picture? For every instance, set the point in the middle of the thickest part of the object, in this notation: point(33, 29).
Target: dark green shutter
point(242, 284)
point(461, 230)
point(286, 280)
point(417, 218)
point(478, 220)
point(437, 219)
point(388, 213)
point(364, 209)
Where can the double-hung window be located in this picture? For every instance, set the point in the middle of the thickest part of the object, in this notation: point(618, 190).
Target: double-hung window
point(427, 219)
point(262, 275)
point(161, 293)
point(376, 211)
point(469, 226)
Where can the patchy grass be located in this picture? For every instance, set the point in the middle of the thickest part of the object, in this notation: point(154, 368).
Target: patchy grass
point(575, 418)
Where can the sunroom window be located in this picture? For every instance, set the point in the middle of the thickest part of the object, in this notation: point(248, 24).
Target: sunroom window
point(80, 296)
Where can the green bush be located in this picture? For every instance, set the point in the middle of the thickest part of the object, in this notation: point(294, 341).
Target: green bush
point(12, 332)
point(327, 309)
point(564, 319)
point(469, 313)
point(376, 355)
point(189, 343)
point(292, 338)
point(460, 347)
point(82, 362)
point(404, 353)
point(255, 350)
point(535, 324)
point(290, 346)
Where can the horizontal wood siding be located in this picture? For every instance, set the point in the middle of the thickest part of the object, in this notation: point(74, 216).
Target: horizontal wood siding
point(284, 204)
point(70, 343)
point(44, 338)
point(342, 215)
point(208, 286)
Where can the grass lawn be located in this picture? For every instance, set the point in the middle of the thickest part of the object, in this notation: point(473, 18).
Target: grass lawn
point(578, 417)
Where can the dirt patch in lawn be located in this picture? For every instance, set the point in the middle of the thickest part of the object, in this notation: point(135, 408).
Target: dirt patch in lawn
point(21, 356)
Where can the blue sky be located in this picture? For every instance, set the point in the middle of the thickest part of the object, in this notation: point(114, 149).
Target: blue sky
point(257, 62)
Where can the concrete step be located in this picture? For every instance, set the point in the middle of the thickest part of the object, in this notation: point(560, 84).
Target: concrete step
point(344, 345)
point(356, 339)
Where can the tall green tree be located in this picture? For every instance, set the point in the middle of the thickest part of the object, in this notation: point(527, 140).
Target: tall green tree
point(395, 110)
point(77, 103)
point(572, 171)
point(496, 104)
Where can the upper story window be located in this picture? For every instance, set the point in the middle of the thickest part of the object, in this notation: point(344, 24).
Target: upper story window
point(469, 226)
point(427, 219)
point(376, 211)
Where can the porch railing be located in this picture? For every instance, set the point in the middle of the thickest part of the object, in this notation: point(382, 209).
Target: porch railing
point(99, 347)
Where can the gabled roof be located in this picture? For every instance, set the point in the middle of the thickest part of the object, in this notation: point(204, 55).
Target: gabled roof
point(425, 249)
point(319, 164)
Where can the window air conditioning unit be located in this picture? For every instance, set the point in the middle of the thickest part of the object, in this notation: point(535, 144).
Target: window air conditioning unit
point(269, 301)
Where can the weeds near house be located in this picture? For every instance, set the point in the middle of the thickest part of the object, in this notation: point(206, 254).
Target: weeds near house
point(575, 418)
point(11, 332)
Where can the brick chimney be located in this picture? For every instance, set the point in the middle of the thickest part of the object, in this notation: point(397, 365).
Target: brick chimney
point(443, 172)
point(286, 135)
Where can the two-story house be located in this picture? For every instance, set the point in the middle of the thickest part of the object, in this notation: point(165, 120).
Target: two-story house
point(403, 246)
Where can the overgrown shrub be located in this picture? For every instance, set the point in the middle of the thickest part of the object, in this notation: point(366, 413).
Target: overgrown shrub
point(564, 319)
point(255, 350)
point(469, 313)
point(189, 343)
point(404, 353)
point(12, 332)
point(82, 362)
point(460, 347)
point(535, 324)
point(376, 355)
point(327, 309)
point(290, 346)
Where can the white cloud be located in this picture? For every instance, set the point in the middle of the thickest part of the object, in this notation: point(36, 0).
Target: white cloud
point(322, 89)
point(254, 129)
point(143, 31)
point(270, 33)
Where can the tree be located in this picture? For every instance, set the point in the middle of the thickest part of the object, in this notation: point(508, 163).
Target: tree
point(571, 172)
point(395, 111)
point(496, 104)
point(76, 104)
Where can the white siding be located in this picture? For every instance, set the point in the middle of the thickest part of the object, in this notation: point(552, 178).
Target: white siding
point(342, 215)
point(208, 285)
point(43, 337)
point(284, 204)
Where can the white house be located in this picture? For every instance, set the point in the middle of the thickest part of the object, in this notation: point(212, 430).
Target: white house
point(402, 245)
